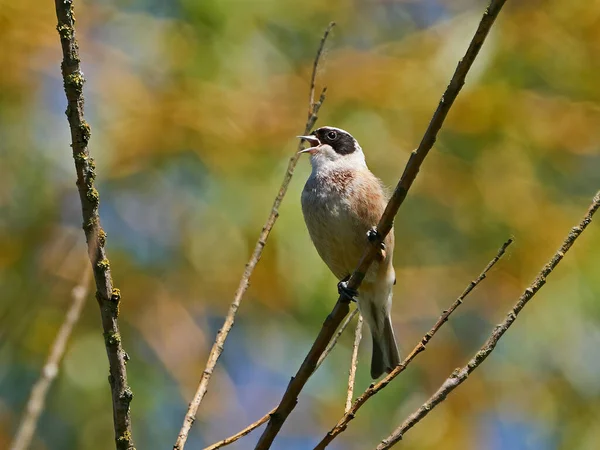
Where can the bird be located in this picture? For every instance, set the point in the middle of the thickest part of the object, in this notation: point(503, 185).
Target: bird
point(342, 202)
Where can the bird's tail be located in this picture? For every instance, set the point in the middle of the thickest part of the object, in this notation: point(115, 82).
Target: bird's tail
point(385, 351)
point(375, 311)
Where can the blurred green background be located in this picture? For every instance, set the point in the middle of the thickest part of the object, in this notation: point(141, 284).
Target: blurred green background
point(194, 106)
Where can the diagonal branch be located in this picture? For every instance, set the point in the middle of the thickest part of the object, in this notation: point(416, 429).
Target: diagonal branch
point(336, 337)
point(353, 363)
point(242, 433)
point(460, 375)
point(108, 297)
point(290, 398)
point(37, 397)
point(217, 348)
point(350, 413)
point(263, 419)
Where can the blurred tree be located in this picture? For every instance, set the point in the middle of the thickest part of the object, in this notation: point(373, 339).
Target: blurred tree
point(194, 107)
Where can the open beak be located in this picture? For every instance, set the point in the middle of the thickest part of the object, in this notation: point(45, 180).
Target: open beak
point(313, 141)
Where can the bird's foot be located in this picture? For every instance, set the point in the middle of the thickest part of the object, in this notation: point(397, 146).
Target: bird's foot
point(348, 294)
point(373, 236)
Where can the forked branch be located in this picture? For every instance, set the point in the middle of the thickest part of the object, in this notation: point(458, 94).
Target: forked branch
point(350, 413)
point(217, 348)
point(263, 419)
point(460, 375)
point(290, 397)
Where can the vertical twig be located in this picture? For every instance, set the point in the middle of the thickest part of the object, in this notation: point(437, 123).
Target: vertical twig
point(421, 346)
point(37, 397)
point(341, 308)
point(353, 363)
point(460, 375)
point(108, 297)
point(217, 348)
point(312, 111)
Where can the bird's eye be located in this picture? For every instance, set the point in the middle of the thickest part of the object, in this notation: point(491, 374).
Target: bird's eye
point(332, 135)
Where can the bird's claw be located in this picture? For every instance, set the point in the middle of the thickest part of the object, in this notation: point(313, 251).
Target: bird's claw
point(348, 294)
point(373, 236)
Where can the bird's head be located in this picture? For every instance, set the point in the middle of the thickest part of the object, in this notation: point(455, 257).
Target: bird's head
point(332, 145)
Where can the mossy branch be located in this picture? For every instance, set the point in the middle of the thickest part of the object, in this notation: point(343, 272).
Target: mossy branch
point(108, 297)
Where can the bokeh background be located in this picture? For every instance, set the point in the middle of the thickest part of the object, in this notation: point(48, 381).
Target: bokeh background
point(194, 106)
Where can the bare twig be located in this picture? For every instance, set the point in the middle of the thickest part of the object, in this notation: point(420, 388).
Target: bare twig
point(337, 335)
point(242, 433)
point(421, 346)
point(37, 397)
point(263, 419)
point(353, 363)
point(290, 397)
point(460, 375)
point(217, 348)
point(311, 96)
point(108, 297)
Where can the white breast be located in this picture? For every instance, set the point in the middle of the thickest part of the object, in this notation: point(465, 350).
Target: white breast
point(331, 222)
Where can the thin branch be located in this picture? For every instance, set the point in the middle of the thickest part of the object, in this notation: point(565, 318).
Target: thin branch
point(290, 398)
point(263, 419)
point(217, 347)
point(421, 346)
point(353, 363)
point(108, 297)
point(460, 375)
point(336, 337)
point(37, 397)
point(241, 434)
point(311, 96)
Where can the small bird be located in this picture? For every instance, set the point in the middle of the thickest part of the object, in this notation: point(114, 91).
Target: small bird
point(342, 202)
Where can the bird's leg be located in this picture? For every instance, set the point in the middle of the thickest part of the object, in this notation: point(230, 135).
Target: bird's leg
point(348, 294)
point(373, 236)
